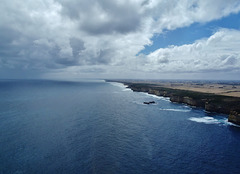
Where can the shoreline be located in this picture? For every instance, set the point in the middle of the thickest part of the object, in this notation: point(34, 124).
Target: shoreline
point(210, 102)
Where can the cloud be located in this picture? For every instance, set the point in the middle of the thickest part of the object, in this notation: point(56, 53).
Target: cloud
point(218, 52)
point(174, 14)
point(77, 46)
point(103, 17)
point(49, 35)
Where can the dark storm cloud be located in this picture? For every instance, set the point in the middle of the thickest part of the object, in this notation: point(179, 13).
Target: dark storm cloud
point(92, 70)
point(59, 60)
point(146, 2)
point(77, 46)
point(104, 56)
point(7, 37)
point(103, 17)
point(12, 54)
point(66, 61)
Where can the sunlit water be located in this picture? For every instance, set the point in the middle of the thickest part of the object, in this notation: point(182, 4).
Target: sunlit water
point(99, 127)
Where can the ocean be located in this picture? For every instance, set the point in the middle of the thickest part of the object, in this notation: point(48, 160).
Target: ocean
point(100, 127)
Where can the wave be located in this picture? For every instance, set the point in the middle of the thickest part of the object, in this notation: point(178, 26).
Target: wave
point(175, 110)
point(232, 124)
point(127, 89)
point(121, 85)
point(206, 120)
point(158, 97)
point(212, 120)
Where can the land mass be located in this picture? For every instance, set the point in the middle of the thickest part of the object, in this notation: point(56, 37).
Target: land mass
point(222, 97)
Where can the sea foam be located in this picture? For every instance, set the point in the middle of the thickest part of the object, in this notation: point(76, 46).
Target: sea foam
point(206, 120)
point(117, 84)
point(158, 97)
point(212, 120)
point(175, 110)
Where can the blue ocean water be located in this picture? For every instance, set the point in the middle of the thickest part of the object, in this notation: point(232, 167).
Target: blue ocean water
point(100, 127)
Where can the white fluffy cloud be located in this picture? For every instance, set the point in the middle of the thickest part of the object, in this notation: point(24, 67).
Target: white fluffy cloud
point(174, 14)
point(218, 52)
point(104, 37)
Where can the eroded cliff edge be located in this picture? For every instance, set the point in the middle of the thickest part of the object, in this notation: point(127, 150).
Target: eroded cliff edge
point(210, 102)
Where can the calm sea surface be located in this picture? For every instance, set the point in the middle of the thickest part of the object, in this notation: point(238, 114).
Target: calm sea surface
point(98, 127)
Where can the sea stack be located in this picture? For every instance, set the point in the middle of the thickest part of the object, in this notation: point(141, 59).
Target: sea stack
point(147, 103)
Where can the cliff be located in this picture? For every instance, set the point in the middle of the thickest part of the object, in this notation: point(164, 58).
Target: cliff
point(234, 117)
point(209, 102)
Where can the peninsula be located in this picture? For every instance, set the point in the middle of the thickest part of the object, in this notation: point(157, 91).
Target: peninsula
point(219, 97)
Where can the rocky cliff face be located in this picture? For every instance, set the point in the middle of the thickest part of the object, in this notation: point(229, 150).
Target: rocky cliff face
point(217, 107)
point(210, 102)
point(234, 117)
point(176, 99)
point(158, 92)
point(187, 100)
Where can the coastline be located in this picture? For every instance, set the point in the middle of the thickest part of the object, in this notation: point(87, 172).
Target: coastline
point(211, 102)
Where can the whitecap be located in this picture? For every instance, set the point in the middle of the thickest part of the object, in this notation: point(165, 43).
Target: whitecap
point(206, 120)
point(212, 120)
point(175, 110)
point(158, 97)
point(121, 85)
point(226, 122)
point(127, 89)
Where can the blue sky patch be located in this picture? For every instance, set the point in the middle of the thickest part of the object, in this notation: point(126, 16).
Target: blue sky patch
point(188, 35)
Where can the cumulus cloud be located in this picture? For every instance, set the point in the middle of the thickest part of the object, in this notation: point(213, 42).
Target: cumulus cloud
point(175, 14)
point(83, 36)
point(103, 17)
point(218, 52)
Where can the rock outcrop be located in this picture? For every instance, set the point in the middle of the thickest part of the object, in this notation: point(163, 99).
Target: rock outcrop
point(234, 117)
point(147, 103)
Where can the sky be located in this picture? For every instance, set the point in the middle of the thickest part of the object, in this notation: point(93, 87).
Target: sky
point(120, 39)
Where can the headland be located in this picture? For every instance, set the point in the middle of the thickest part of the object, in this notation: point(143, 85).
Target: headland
point(219, 97)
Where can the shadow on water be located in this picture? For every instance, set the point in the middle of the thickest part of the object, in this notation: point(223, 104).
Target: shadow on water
point(235, 130)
